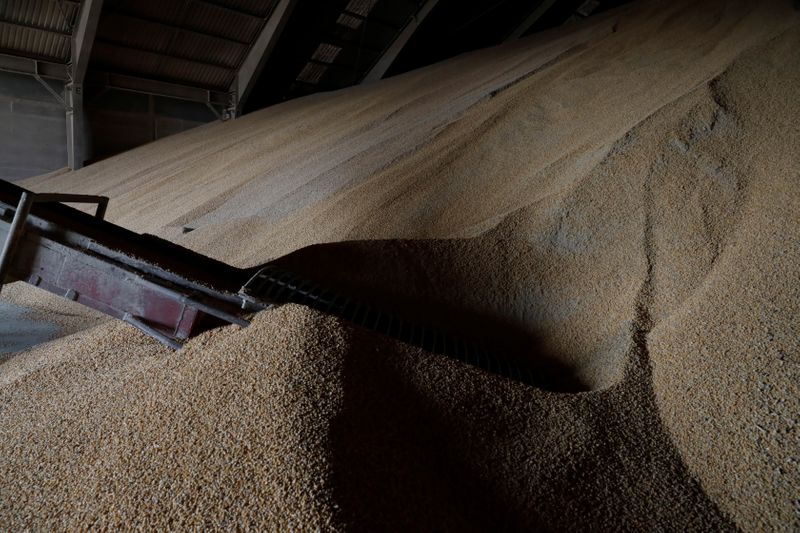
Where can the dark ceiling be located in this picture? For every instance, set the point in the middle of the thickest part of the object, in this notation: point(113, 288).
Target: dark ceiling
point(198, 49)
point(452, 27)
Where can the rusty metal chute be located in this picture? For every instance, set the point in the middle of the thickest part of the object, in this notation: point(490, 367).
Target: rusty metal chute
point(172, 293)
point(167, 291)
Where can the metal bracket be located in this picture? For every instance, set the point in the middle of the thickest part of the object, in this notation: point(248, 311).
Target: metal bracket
point(101, 201)
point(213, 109)
point(159, 335)
point(49, 89)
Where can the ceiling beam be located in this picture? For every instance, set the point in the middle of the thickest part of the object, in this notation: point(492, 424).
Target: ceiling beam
point(32, 27)
point(24, 65)
point(229, 9)
point(83, 38)
point(166, 25)
point(124, 82)
point(390, 54)
point(262, 48)
point(537, 13)
point(179, 57)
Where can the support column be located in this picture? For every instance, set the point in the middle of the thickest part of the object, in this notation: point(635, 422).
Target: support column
point(77, 148)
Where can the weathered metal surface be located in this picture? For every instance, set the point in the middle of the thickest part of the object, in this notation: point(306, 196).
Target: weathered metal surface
point(95, 263)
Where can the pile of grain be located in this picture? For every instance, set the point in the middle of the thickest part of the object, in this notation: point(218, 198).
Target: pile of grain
point(620, 202)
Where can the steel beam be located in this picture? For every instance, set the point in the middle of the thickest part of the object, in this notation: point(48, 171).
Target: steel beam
point(83, 38)
point(179, 57)
point(31, 67)
point(540, 10)
point(44, 29)
point(181, 29)
point(124, 82)
point(82, 41)
point(390, 54)
point(257, 57)
point(229, 9)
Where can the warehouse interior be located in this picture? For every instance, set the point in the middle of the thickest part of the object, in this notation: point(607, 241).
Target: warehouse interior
point(400, 264)
point(144, 70)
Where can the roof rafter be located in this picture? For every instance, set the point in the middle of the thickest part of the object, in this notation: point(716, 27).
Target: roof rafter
point(537, 13)
point(61, 33)
point(180, 57)
point(262, 48)
point(83, 38)
point(178, 28)
point(390, 54)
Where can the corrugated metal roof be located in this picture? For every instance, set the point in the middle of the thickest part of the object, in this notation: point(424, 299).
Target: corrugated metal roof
point(353, 44)
point(140, 63)
point(223, 53)
point(349, 20)
point(223, 22)
point(261, 8)
point(201, 42)
point(326, 52)
point(312, 73)
point(213, 18)
point(158, 38)
point(37, 28)
point(361, 7)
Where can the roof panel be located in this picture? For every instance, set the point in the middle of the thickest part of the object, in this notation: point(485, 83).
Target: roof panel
point(223, 22)
point(41, 17)
point(195, 74)
point(168, 11)
point(146, 64)
point(195, 42)
point(135, 33)
point(361, 7)
point(124, 60)
point(312, 73)
point(48, 14)
point(227, 54)
point(261, 8)
point(33, 43)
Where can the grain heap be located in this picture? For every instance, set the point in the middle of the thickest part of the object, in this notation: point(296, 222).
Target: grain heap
point(621, 198)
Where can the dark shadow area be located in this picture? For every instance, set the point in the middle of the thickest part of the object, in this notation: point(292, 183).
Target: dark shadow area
point(418, 447)
point(430, 306)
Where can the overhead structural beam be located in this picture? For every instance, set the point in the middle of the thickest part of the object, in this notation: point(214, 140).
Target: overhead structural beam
point(257, 57)
point(124, 82)
point(229, 9)
point(81, 49)
point(385, 61)
point(180, 29)
point(31, 67)
point(83, 38)
point(34, 27)
point(540, 10)
point(180, 57)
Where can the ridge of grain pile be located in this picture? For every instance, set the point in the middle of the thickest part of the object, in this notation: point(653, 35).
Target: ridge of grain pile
point(624, 193)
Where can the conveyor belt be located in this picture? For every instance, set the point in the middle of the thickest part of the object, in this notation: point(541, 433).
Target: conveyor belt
point(278, 286)
point(172, 293)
